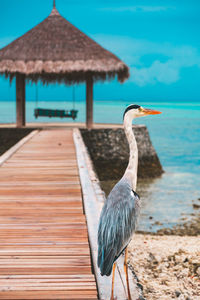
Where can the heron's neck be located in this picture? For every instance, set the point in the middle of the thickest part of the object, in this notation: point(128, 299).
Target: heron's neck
point(131, 171)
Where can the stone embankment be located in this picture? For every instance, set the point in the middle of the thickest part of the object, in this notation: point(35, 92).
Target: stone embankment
point(10, 136)
point(109, 152)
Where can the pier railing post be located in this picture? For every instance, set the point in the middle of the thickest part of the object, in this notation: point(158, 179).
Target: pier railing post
point(89, 102)
point(20, 100)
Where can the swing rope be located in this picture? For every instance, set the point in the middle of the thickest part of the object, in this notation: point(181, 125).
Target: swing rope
point(36, 95)
point(73, 96)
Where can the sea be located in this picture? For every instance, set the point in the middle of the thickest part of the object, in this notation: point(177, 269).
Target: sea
point(175, 134)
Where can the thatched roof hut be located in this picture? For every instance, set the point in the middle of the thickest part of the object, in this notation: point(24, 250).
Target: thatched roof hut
point(57, 51)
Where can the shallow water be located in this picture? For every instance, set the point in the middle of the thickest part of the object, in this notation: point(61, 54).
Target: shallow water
point(176, 137)
point(168, 200)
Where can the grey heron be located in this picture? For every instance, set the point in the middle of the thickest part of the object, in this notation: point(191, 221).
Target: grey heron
point(120, 212)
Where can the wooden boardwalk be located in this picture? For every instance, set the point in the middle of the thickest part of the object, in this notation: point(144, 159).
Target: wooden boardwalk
point(44, 250)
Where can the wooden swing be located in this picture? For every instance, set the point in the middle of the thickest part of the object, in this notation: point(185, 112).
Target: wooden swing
point(53, 113)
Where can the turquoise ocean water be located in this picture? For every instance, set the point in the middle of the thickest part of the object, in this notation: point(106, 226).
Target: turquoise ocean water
point(176, 137)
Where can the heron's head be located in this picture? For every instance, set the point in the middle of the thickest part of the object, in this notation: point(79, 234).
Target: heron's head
point(135, 111)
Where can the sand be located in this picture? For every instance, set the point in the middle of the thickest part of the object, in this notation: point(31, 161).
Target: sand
point(168, 267)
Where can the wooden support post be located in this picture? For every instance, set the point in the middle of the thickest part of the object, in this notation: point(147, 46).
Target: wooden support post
point(20, 100)
point(89, 102)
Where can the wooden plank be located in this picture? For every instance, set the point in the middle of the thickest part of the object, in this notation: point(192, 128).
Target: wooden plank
point(71, 295)
point(46, 270)
point(44, 250)
point(51, 249)
point(79, 276)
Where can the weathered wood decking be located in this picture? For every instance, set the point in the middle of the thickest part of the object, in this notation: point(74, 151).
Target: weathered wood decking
point(44, 251)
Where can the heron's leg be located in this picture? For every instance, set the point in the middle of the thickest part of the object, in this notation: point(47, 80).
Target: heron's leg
point(113, 279)
point(126, 272)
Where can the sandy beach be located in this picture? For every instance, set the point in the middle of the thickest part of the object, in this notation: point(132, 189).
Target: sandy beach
point(168, 267)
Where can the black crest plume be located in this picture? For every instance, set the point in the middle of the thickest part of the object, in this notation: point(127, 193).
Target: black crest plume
point(132, 106)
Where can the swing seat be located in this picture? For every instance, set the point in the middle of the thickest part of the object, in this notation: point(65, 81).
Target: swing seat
point(43, 112)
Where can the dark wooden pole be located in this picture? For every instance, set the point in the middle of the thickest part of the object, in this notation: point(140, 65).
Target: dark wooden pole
point(89, 102)
point(20, 100)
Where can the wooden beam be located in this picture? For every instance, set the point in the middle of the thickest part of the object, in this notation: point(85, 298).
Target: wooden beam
point(89, 102)
point(20, 100)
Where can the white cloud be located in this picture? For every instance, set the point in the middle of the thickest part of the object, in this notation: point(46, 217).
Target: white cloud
point(158, 72)
point(137, 8)
point(133, 52)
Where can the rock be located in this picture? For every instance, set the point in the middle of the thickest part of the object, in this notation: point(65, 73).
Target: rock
point(10, 136)
point(109, 151)
point(196, 206)
point(184, 272)
point(178, 259)
point(159, 258)
point(140, 286)
point(198, 271)
point(149, 289)
point(141, 298)
point(152, 259)
point(177, 293)
point(195, 261)
point(158, 223)
point(185, 265)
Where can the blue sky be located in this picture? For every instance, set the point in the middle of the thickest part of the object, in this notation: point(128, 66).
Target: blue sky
point(159, 40)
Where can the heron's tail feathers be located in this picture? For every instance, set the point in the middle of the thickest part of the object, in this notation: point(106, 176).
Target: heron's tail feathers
point(105, 261)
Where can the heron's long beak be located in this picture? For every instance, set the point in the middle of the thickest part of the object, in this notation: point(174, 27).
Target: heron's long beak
point(148, 111)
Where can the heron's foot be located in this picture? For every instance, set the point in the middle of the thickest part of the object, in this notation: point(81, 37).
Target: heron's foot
point(129, 295)
point(127, 281)
point(126, 273)
point(113, 279)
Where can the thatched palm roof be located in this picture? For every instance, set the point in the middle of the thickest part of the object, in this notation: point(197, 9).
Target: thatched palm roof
point(55, 50)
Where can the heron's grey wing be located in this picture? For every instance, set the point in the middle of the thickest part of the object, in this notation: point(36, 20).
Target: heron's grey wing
point(117, 224)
